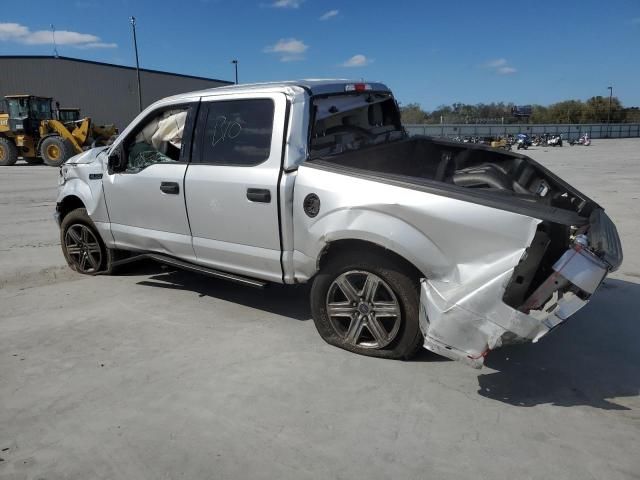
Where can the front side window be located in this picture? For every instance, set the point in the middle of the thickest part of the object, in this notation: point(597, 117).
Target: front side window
point(237, 132)
point(159, 140)
point(18, 107)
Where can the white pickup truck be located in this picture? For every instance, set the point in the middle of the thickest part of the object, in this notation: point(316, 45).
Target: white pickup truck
point(409, 241)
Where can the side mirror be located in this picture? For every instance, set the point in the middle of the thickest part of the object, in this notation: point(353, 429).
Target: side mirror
point(115, 162)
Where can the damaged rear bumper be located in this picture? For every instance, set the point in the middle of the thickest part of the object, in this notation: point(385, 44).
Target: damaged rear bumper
point(466, 322)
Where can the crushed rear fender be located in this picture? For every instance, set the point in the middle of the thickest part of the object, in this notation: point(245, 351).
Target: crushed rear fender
point(466, 321)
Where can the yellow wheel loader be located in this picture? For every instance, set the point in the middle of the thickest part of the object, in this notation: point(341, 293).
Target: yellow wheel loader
point(29, 128)
point(501, 143)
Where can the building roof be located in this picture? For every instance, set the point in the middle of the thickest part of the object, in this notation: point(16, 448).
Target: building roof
point(113, 65)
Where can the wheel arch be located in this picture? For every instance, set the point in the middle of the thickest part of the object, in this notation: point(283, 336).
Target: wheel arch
point(347, 245)
point(68, 204)
point(357, 229)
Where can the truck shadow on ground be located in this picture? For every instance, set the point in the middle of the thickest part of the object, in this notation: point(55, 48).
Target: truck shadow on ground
point(287, 300)
point(592, 360)
point(290, 301)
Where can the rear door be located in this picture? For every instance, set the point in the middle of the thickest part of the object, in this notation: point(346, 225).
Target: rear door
point(232, 184)
point(146, 201)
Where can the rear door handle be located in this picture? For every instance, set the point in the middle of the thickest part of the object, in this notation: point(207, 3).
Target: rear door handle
point(170, 187)
point(259, 195)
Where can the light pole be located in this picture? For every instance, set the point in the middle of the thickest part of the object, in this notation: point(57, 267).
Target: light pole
point(235, 64)
point(135, 47)
point(609, 114)
point(53, 36)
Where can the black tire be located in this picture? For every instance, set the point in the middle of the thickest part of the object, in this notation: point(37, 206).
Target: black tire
point(33, 160)
point(55, 151)
point(397, 277)
point(97, 257)
point(8, 152)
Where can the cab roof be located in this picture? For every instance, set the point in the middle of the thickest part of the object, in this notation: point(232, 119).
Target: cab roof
point(27, 96)
point(313, 86)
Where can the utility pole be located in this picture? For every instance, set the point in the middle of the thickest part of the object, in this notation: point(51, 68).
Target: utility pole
point(609, 114)
point(235, 64)
point(53, 36)
point(135, 47)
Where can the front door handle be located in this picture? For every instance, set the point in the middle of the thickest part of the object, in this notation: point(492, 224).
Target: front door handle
point(170, 187)
point(259, 195)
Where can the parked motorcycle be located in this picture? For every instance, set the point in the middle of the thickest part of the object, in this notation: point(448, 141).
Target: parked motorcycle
point(584, 140)
point(555, 141)
point(522, 141)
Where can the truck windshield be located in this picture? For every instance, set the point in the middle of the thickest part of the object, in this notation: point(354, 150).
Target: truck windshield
point(18, 107)
point(69, 115)
point(41, 108)
point(353, 121)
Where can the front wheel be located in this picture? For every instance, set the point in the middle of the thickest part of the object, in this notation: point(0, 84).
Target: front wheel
point(82, 245)
point(55, 151)
point(367, 303)
point(8, 152)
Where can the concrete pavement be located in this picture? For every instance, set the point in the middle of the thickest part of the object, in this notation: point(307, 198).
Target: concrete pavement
point(155, 373)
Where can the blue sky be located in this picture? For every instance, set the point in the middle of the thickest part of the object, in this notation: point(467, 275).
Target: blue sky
point(427, 52)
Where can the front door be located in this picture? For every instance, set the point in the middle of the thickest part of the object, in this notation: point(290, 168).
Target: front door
point(232, 184)
point(146, 201)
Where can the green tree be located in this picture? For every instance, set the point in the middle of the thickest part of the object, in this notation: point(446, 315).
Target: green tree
point(539, 114)
point(596, 110)
point(631, 114)
point(412, 113)
point(568, 111)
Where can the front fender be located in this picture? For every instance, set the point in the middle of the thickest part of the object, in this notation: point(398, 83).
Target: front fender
point(90, 193)
point(77, 188)
point(91, 198)
point(81, 176)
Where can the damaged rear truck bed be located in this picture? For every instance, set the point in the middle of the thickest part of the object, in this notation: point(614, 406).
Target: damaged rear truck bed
point(408, 242)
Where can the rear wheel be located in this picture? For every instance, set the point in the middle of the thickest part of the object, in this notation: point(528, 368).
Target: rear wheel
point(8, 152)
point(55, 151)
point(367, 303)
point(82, 245)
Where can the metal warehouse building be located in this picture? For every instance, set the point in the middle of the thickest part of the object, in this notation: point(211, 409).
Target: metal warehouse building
point(105, 92)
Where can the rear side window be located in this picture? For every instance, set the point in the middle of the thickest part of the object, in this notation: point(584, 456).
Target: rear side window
point(236, 132)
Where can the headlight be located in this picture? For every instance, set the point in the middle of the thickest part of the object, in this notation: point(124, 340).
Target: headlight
point(62, 174)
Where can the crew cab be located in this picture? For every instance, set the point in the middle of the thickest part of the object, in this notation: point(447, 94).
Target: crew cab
point(409, 242)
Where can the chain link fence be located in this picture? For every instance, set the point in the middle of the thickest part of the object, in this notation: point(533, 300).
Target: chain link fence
point(568, 131)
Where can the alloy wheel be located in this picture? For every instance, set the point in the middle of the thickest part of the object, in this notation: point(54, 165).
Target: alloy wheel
point(363, 310)
point(83, 248)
